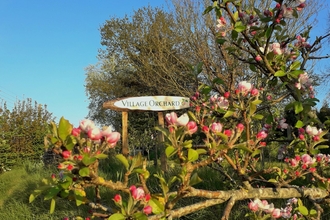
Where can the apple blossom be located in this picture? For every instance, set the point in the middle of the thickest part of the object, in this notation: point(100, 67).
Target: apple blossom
point(254, 92)
point(216, 127)
point(171, 118)
point(86, 125)
point(223, 103)
point(226, 95)
point(182, 120)
point(262, 135)
point(94, 134)
point(137, 193)
point(240, 127)
point(113, 138)
point(244, 87)
point(258, 58)
point(253, 206)
point(276, 213)
point(227, 132)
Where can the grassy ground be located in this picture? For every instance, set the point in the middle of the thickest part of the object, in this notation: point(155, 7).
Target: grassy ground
point(15, 188)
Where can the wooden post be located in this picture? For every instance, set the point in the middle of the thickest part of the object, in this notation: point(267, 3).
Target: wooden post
point(125, 149)
point(163, 159)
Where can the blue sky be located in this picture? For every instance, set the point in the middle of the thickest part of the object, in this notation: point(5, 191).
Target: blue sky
point(46, 45)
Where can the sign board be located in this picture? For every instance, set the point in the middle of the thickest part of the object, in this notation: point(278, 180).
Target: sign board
point(149, 103)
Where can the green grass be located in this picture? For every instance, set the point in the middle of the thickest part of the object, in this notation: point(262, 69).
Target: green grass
point(15, 189)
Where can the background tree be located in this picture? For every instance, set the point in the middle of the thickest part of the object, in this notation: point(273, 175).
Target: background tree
point(22, 131)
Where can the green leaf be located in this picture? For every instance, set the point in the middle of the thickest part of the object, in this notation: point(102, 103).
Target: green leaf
point(206, 90)
point(145, 173)
point(101, 156)
point(208, 9)
point(253, 68)
point(201, 151)
point(257, 102)
point(52, 192)
point(117, 216)
point(87, 160)
point(192, 155)
point(163, 130)
point(272, 181)
point(322, 147)
point(123, 160)
point(64, 129)
point(255, 153)
point(298, 107)
point(79, 195)
point(140, 216)
point(303, 210)
point(295, 65)
point(84, 171)
point(258, 116)
point(243, 147)
point(296, 73)
point(195, 180)
point(156, 206)
point(299, 124)
point(52, 206)
point(70, 142)
point(187, 144)
point(313, 212)
point(268, 32)
point(221, 41)
point(217, 81)
point(280, 73)
point(228, 114)
point(170, 151)
point(66, 184)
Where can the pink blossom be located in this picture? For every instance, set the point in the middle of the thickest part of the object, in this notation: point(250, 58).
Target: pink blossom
point(282, 125)
point(307, 159)
point(221, 23)
point(262, 135)
point(276, 48)
point(313, 130)
point(113, 138)
point(287, 12)
point(294, 162)
point(137, 193)
point(147, 210)
point(226, 95)
point(171, 118)
point(106, 131)
point(244, 87)
point(94, 133)
point(253, 206)
point(76, 131)
point(86, 125)
point(69, 167)
point(192, 127)
point(276, 213)
point(223, 103)
point(216, 127)
point(254, 92)
point(205, 129)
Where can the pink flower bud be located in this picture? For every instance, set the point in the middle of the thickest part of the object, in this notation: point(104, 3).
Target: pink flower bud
point(147, 210)
point(69, 167)
point(258, 58)
point(227, 132)
point(205, 129)
point(192, 127)
point(254, 92)
point(226, 95)
point(262, 135)
point(240, 127)
point(76, 132)
point(66, 154)
point(117, 198)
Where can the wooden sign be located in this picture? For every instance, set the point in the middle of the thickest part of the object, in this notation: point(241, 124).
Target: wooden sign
point(148, 103)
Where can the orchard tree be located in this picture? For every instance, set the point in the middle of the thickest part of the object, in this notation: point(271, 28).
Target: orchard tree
point(232, 133)
point(150, 52)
